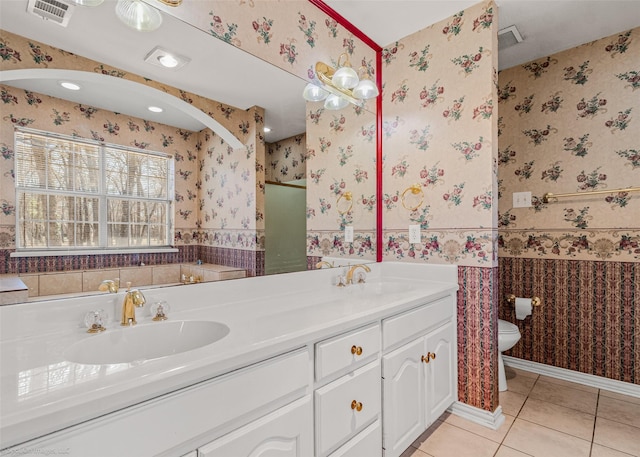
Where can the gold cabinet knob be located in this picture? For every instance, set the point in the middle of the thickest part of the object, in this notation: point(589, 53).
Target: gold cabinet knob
point(356, 405)
point(356, 350)
point(427, 358)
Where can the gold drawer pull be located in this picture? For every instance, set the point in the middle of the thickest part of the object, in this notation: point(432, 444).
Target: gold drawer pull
point(432, 355)
point(357, 350)
point(356, 405)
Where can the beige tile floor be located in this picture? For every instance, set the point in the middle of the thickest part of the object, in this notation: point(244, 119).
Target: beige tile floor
point(544, 417)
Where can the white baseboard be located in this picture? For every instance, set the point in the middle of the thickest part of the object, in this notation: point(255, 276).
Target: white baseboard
point(492, 420)
point(599, 382)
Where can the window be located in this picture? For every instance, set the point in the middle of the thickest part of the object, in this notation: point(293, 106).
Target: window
point(79, 194)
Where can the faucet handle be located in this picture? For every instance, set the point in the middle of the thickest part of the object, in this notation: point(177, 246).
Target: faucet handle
point(159, 310)
point(110, 285)
point(94, 320)
point(361, 277)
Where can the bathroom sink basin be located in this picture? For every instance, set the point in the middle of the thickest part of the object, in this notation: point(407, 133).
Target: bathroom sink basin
point(145, 342)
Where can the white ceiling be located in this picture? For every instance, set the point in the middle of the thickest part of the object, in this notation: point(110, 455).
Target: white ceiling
point(548, 26)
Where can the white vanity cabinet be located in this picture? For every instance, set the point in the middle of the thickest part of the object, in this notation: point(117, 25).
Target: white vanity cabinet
point(419, 376)
point(349, 376)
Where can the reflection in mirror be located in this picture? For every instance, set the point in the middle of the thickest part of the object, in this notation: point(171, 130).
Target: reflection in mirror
point(220, 216)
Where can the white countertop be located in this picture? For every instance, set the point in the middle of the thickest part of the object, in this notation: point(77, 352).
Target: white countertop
point(41, 392)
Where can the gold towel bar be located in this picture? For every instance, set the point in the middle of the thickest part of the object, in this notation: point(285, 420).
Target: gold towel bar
point(549, 195)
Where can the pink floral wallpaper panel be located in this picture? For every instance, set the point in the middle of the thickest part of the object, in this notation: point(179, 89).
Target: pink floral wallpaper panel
point(569, 123)
point(341, 177)
point(439, 131)
point(286, 159)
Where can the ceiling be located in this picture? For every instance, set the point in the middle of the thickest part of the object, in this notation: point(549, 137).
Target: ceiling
point(547, 26)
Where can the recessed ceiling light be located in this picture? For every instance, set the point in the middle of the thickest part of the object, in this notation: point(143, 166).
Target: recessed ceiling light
point(266, 130)
point(69, 85)
point(168, 61)
point(155, 109)
point(165, 59)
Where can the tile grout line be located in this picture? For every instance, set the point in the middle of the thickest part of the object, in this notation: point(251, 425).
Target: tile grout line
point(595, 421)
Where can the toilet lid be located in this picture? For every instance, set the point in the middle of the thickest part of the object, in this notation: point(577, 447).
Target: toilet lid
point(507, 327)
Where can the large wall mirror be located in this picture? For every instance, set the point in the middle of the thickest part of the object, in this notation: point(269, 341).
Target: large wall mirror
point(206, 215)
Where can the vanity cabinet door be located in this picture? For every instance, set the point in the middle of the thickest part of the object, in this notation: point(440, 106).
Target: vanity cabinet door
point(440, 372)
point(287, 432)
point(403, 397)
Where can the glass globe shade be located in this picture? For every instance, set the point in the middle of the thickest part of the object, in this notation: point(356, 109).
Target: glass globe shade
point(334, 102)
point(88, 2)
point(365, 90)
point(313, 93)
point(138, 15)
point(345, 78)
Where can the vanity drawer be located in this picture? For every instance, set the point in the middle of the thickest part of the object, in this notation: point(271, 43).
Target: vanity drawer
point(366, 443)
point(405, 326)
point(347, 351)
point(337, 404)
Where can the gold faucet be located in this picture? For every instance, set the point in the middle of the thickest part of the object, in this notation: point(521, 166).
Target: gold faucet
point(324, 263)
point(109, 285)
point(132, 299)
point(352, 271)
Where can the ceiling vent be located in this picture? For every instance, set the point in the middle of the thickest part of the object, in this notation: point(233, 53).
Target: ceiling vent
point(508, 37)
point(52, 10)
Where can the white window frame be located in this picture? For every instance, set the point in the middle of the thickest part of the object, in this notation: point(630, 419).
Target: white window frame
point(102, 196)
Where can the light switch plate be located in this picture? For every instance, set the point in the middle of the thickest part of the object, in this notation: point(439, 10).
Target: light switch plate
point(521, 199)
point(348, 234)
point(414, 233)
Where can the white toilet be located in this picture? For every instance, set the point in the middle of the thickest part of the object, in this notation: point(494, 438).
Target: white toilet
point(508, 336)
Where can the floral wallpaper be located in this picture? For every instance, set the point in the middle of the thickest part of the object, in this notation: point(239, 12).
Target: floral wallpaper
point(286, 159)
point(569, 123)
point(341, 175)
point(439, 128)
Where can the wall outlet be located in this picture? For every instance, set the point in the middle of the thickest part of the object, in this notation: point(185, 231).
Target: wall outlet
point(348, 234)
point(521, 199)
point(414, 233)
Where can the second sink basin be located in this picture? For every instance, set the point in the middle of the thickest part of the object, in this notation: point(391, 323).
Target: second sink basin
point(145, 342)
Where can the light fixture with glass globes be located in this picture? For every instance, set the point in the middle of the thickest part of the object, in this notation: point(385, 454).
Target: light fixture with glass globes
point(88, 2)
point(138, 15)
point(342, 86)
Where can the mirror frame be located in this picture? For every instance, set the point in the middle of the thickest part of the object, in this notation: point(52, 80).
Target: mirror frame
point(322, 6)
